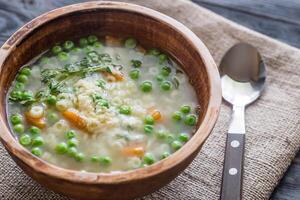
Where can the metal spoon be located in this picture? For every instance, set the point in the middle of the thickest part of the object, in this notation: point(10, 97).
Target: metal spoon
point(243, 79)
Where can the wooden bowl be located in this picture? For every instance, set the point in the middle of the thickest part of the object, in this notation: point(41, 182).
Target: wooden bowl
point(152, 29)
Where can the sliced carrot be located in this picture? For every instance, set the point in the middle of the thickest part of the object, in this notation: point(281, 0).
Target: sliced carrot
point(156, 115)
point(118, 75)
point(38, 122)
point(134, 151)
point(114, 76)
point(75, 119)
point(139, 48)
point(112, 41)
point(109, 77)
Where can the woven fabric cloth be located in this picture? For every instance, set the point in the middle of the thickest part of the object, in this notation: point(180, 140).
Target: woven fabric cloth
point(272, 122)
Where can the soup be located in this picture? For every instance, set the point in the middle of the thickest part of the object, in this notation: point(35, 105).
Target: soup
point(102, 105)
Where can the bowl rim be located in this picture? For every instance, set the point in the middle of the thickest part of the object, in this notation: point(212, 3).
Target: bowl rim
point(204, 130)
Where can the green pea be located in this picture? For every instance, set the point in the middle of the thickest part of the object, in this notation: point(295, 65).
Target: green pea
point(25, 140)
point(95, 159)
point(148, 159)
point(34, 130)
point(161, 134)
point(165, 155)
point(148, 128)
point(149, 120)
point(36, 151)
point(72, 151)
point(22, 78)
point(19, 86)
point(73, 142)
point(154, 52)
point(56, 49)
point(185, 109)
point(15, 94)
point(165, 71)
point(183, 137)
point(61, 148)
point(68, 45)
point(19, 128)
point(177, 116)
point(176, 145)
point(97, 96)
point(162, 58)
point(130, 43)
point(92, 39)
point(166, 85)
point(134, 74)
point(103, 102)
point(136, 63)
point(88, 48)
point(79, 157)
point(97, 44)
point(70, 134)
point(146, 86)
point(95, 59)
point(44, 60)
point(26, 71)
point(25, 95)
point(75, 49)
point(16, 119)
point(105, 160)
point(169, 138)
point(52, 117)
point(190, 120)
point(159, 78)
point(83, 42)
point(63, 56)
point(37, 141)
point(93, 55)
point(125, 110)
point(51, 100)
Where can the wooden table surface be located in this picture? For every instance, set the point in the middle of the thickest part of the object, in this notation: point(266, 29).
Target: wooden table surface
point(279, 19)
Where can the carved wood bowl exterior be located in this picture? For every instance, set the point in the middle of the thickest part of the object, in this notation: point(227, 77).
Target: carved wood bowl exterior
point(152, 29)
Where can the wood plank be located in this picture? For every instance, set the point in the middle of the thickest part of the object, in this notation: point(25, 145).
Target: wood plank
point(289, 187)
point(274, 19)
point(286, 11)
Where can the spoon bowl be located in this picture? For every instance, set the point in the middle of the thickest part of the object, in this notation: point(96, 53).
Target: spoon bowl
point(242, 75)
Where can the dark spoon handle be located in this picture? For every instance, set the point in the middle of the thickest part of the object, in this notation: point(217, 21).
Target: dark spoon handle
point(233, 167)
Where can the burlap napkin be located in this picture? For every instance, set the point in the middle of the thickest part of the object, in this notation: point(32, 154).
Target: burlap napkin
point(273, 122)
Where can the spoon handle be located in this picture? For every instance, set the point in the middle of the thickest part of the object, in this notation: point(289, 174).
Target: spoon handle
point(233, 167)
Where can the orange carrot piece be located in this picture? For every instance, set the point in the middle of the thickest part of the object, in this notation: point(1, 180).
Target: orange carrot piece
point(38, 122)
point(156, 115)
point(118, 75)
point(114, 76)
point(134, 151)
point(109, 77)
point(75, 119)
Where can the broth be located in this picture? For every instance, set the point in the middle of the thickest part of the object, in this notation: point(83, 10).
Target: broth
point(101, 105)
